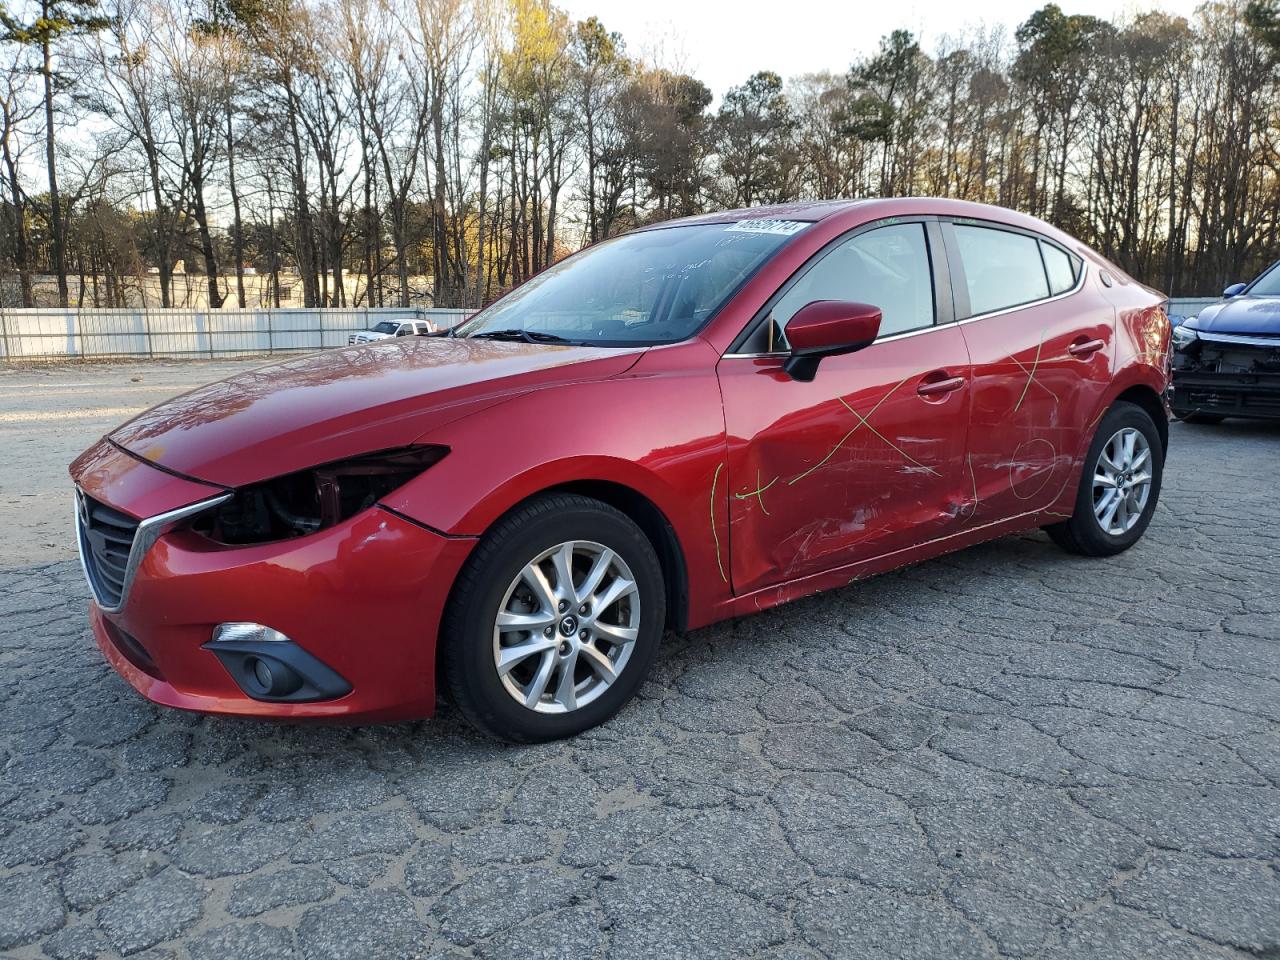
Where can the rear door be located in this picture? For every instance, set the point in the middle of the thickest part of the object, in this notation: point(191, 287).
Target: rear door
point(1040, 344)
point(868, 457)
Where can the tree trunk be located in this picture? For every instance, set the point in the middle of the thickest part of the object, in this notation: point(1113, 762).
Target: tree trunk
point(21, 244)
point(57, 228)
point(237, 228)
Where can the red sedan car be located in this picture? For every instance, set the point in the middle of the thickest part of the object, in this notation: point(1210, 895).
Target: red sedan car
point(689, 422)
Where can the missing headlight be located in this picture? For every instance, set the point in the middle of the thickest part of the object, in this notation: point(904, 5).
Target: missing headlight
point(301, 503)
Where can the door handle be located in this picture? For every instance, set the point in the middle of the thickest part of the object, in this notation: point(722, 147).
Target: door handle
point(1085, 348)
point(936, 388)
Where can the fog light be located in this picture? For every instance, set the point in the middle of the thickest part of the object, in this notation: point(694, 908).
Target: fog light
point(267, 665)
point(247, 633)
point(262, 673)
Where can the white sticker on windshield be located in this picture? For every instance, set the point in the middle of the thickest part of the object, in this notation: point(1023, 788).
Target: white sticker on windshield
point(781, 227)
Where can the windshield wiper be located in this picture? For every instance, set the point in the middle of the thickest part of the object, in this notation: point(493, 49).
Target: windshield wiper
point(529, 336)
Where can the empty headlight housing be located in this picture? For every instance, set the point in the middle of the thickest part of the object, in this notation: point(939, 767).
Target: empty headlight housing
point(1183, 336)
point(300, 503)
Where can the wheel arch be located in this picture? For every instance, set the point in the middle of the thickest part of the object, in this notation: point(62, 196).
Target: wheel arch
point(1143, 396)
point(651, 520)
point(655, 525)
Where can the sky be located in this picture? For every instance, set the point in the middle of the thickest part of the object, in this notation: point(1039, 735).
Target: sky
point(722, 42)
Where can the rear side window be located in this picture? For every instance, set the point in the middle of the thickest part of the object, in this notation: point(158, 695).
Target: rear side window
point(1001, 269)
point(1061, 267)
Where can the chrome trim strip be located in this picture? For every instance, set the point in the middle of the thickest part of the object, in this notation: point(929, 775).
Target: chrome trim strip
point(893, 336)
point(1084, 269)
point(1239, 338)
point(144, 538)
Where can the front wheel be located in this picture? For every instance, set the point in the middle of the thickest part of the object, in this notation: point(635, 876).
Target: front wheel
point(1119, 486)
point(555, 620)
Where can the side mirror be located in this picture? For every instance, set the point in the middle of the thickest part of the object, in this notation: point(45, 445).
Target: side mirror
point(1234, 290)
point(826, 328)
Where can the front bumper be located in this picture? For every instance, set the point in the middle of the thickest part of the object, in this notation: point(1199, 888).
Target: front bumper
point(364, 597)
point(1225, 396)
point(1228, 376)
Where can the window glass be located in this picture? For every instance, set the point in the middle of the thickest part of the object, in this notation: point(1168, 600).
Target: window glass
point(1060, 267)
point(887, 267)
point(1268, 285)
point(1001, 269)
point(654, 286)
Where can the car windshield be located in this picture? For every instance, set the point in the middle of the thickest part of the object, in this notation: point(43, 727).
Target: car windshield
point(386, 326)
point(656, 286)
point(1267, 285)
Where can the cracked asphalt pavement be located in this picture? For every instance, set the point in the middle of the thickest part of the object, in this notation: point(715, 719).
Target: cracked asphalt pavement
point(1008, 752)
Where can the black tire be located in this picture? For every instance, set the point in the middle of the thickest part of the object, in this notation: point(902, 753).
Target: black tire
point(1206, 419)
point(467, 664)
point(1083, 534)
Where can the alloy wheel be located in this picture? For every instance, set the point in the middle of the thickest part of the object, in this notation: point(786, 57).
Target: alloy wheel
point(1122, 481)
point(566, 627)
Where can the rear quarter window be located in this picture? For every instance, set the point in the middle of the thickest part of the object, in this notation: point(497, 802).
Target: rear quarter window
point(1061, 267)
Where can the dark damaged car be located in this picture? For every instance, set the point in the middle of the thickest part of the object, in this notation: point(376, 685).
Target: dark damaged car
point(1226, 361)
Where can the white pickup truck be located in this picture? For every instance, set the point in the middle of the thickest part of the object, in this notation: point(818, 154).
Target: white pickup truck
point(392, 328)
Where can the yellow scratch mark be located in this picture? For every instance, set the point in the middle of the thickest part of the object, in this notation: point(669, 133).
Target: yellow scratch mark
point(839, 443)
point(974, 480)
point(714, 535)
point(1031, 374)
point(757, 492)
point(1031, 378)
point(862, 422)
point(1053, 453)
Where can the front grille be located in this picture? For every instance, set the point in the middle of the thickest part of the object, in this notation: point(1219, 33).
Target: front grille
point(1223, 358)
point(106, 540)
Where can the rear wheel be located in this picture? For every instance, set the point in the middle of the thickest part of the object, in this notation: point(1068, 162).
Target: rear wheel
point(1119, 487)
point(555, 620)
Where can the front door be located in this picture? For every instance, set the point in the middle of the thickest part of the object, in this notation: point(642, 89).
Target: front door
point(868, 457)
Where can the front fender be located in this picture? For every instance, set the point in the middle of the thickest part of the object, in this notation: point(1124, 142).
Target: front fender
point(658, 430)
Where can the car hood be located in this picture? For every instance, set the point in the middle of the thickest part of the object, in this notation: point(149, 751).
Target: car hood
point(1241, 315)
point(342, 403)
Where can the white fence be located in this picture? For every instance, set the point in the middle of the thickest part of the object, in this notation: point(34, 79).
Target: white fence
point(57, 334)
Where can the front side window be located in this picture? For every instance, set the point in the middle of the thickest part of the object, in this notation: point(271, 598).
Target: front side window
point(887, 267)
point(385, 326)
point(1001, 269)
point(656, 286)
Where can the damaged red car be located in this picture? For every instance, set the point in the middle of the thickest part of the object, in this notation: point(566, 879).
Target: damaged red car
point(692, 421)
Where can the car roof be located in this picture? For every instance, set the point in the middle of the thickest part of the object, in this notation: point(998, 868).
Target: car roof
point(809, 211)
point(849, 213)
point(812, 211)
